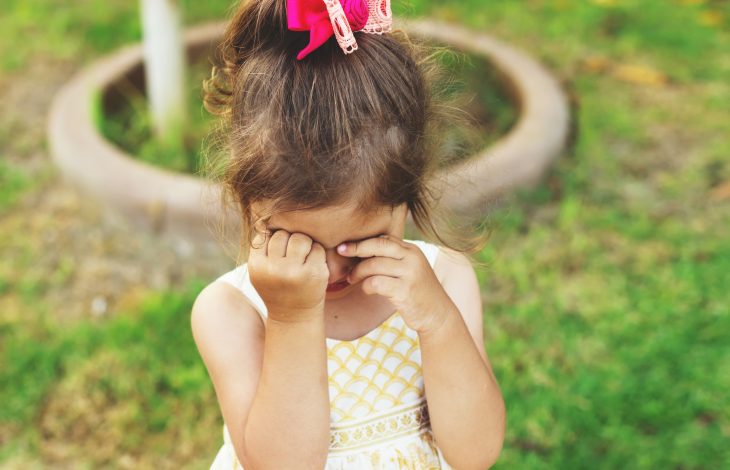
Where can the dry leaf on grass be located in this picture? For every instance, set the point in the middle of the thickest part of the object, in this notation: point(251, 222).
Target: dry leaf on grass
point(631, 73)
point(640, 74)
point(711, 18)
point(596, 64)
point(721, 192)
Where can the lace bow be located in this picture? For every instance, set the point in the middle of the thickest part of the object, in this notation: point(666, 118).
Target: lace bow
point(323, 18)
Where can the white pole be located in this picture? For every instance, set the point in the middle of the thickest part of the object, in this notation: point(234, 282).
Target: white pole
point(164, 55)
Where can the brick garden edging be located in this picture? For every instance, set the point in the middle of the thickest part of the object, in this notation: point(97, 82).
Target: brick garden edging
point(183, 206)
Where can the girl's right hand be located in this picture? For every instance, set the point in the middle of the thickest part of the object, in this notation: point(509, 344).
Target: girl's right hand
point(289, 272)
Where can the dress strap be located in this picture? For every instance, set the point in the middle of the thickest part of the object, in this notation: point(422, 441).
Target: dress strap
point(240, 279)
point(429, 249)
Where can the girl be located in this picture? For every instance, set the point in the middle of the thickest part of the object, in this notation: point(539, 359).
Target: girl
point(339, 344)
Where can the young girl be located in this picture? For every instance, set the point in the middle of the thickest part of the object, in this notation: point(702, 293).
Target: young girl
point(339, 344)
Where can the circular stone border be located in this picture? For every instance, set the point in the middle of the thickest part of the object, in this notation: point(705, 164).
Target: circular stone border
point(523, 155)
point(184, 206)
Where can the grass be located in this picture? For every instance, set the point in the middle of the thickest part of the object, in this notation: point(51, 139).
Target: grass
point(13, 182)
point(130, 127)
point(109, 388)
point(607, 311)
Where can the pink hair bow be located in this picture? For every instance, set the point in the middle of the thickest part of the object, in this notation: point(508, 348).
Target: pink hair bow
point(323, 18)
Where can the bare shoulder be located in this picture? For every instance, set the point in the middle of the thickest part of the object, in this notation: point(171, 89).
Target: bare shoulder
point(220, 306)
point(455, 271)
point(452, 264)
point(459, 280)
point(227, 330)
point(229, 335)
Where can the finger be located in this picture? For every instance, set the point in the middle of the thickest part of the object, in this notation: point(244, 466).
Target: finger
point(381, 285)
point(298, 246)
point(276, 247)
point(378, 246)
point(396, 240)
point(258, 243)
point(317, 254)
point(376, 266)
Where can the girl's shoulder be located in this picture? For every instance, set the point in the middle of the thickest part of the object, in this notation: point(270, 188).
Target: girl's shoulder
point(240, 279)
point(445, 262)
point(430, 250)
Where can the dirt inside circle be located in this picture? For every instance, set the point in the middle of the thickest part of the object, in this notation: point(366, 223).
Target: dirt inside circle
point(61, 252)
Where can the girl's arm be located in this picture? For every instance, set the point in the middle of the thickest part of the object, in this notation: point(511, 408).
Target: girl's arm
point(464, 401)
point(271, 382)
point(443, 305)
point(289, 423)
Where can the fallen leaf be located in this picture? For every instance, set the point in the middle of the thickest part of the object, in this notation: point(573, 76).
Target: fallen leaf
point(640, 74)
point(596, 64)
point(711, 18)
point(721, 192)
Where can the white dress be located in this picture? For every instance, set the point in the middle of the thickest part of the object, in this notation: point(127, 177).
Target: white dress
point(378, 411)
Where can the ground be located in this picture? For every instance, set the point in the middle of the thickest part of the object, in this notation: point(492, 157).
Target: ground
point(100, 263)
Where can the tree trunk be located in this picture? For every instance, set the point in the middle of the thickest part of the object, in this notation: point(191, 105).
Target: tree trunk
point(164, 55)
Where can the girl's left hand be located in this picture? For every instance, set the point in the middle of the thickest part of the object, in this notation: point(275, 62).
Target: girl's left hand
point(400, 271)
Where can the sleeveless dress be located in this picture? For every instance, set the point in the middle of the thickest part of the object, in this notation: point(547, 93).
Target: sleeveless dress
point(378, 411)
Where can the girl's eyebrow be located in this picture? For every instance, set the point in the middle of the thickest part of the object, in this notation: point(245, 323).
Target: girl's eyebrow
point(380, 232)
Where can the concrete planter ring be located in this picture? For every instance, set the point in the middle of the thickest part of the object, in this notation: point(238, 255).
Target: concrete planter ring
point(182, 206)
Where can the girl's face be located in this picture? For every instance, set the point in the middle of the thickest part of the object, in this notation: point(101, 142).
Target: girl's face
point(331, 226)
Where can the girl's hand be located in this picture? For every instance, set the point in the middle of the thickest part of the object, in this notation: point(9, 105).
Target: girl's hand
point(399, 271)
point(289, 271)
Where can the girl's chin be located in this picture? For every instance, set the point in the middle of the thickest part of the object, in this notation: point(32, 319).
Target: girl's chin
point(339, 293)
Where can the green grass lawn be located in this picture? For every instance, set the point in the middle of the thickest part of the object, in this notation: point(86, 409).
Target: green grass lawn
point(607, 308)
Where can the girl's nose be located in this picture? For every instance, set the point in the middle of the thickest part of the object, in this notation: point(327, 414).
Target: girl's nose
point(338, 265)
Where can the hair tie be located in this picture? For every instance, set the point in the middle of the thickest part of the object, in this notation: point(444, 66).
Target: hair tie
point(323, 18)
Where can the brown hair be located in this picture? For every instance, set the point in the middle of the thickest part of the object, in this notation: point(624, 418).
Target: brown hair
point(331, 128)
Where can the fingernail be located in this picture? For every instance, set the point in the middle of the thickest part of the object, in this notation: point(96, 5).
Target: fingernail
point(342, 247)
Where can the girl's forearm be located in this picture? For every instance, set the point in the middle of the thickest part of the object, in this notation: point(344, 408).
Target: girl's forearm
point(464, 402)
point(288, 422)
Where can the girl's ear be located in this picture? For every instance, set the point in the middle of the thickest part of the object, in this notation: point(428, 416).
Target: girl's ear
point(260, 214)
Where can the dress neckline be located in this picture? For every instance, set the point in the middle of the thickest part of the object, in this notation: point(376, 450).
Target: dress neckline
point(369, 334)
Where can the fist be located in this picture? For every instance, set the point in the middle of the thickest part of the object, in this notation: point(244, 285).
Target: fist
point(399, 271)
point(289, 271)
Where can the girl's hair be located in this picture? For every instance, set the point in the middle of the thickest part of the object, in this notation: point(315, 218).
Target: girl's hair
point(330, 129)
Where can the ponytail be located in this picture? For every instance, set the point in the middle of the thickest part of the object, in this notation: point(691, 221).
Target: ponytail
point(255, 26)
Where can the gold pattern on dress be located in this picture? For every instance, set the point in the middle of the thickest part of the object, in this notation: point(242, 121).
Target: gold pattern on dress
point(370, 375)
point(409, 421)
point(377, 396)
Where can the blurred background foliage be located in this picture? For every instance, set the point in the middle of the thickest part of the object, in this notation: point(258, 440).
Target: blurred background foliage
point(606, 300)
